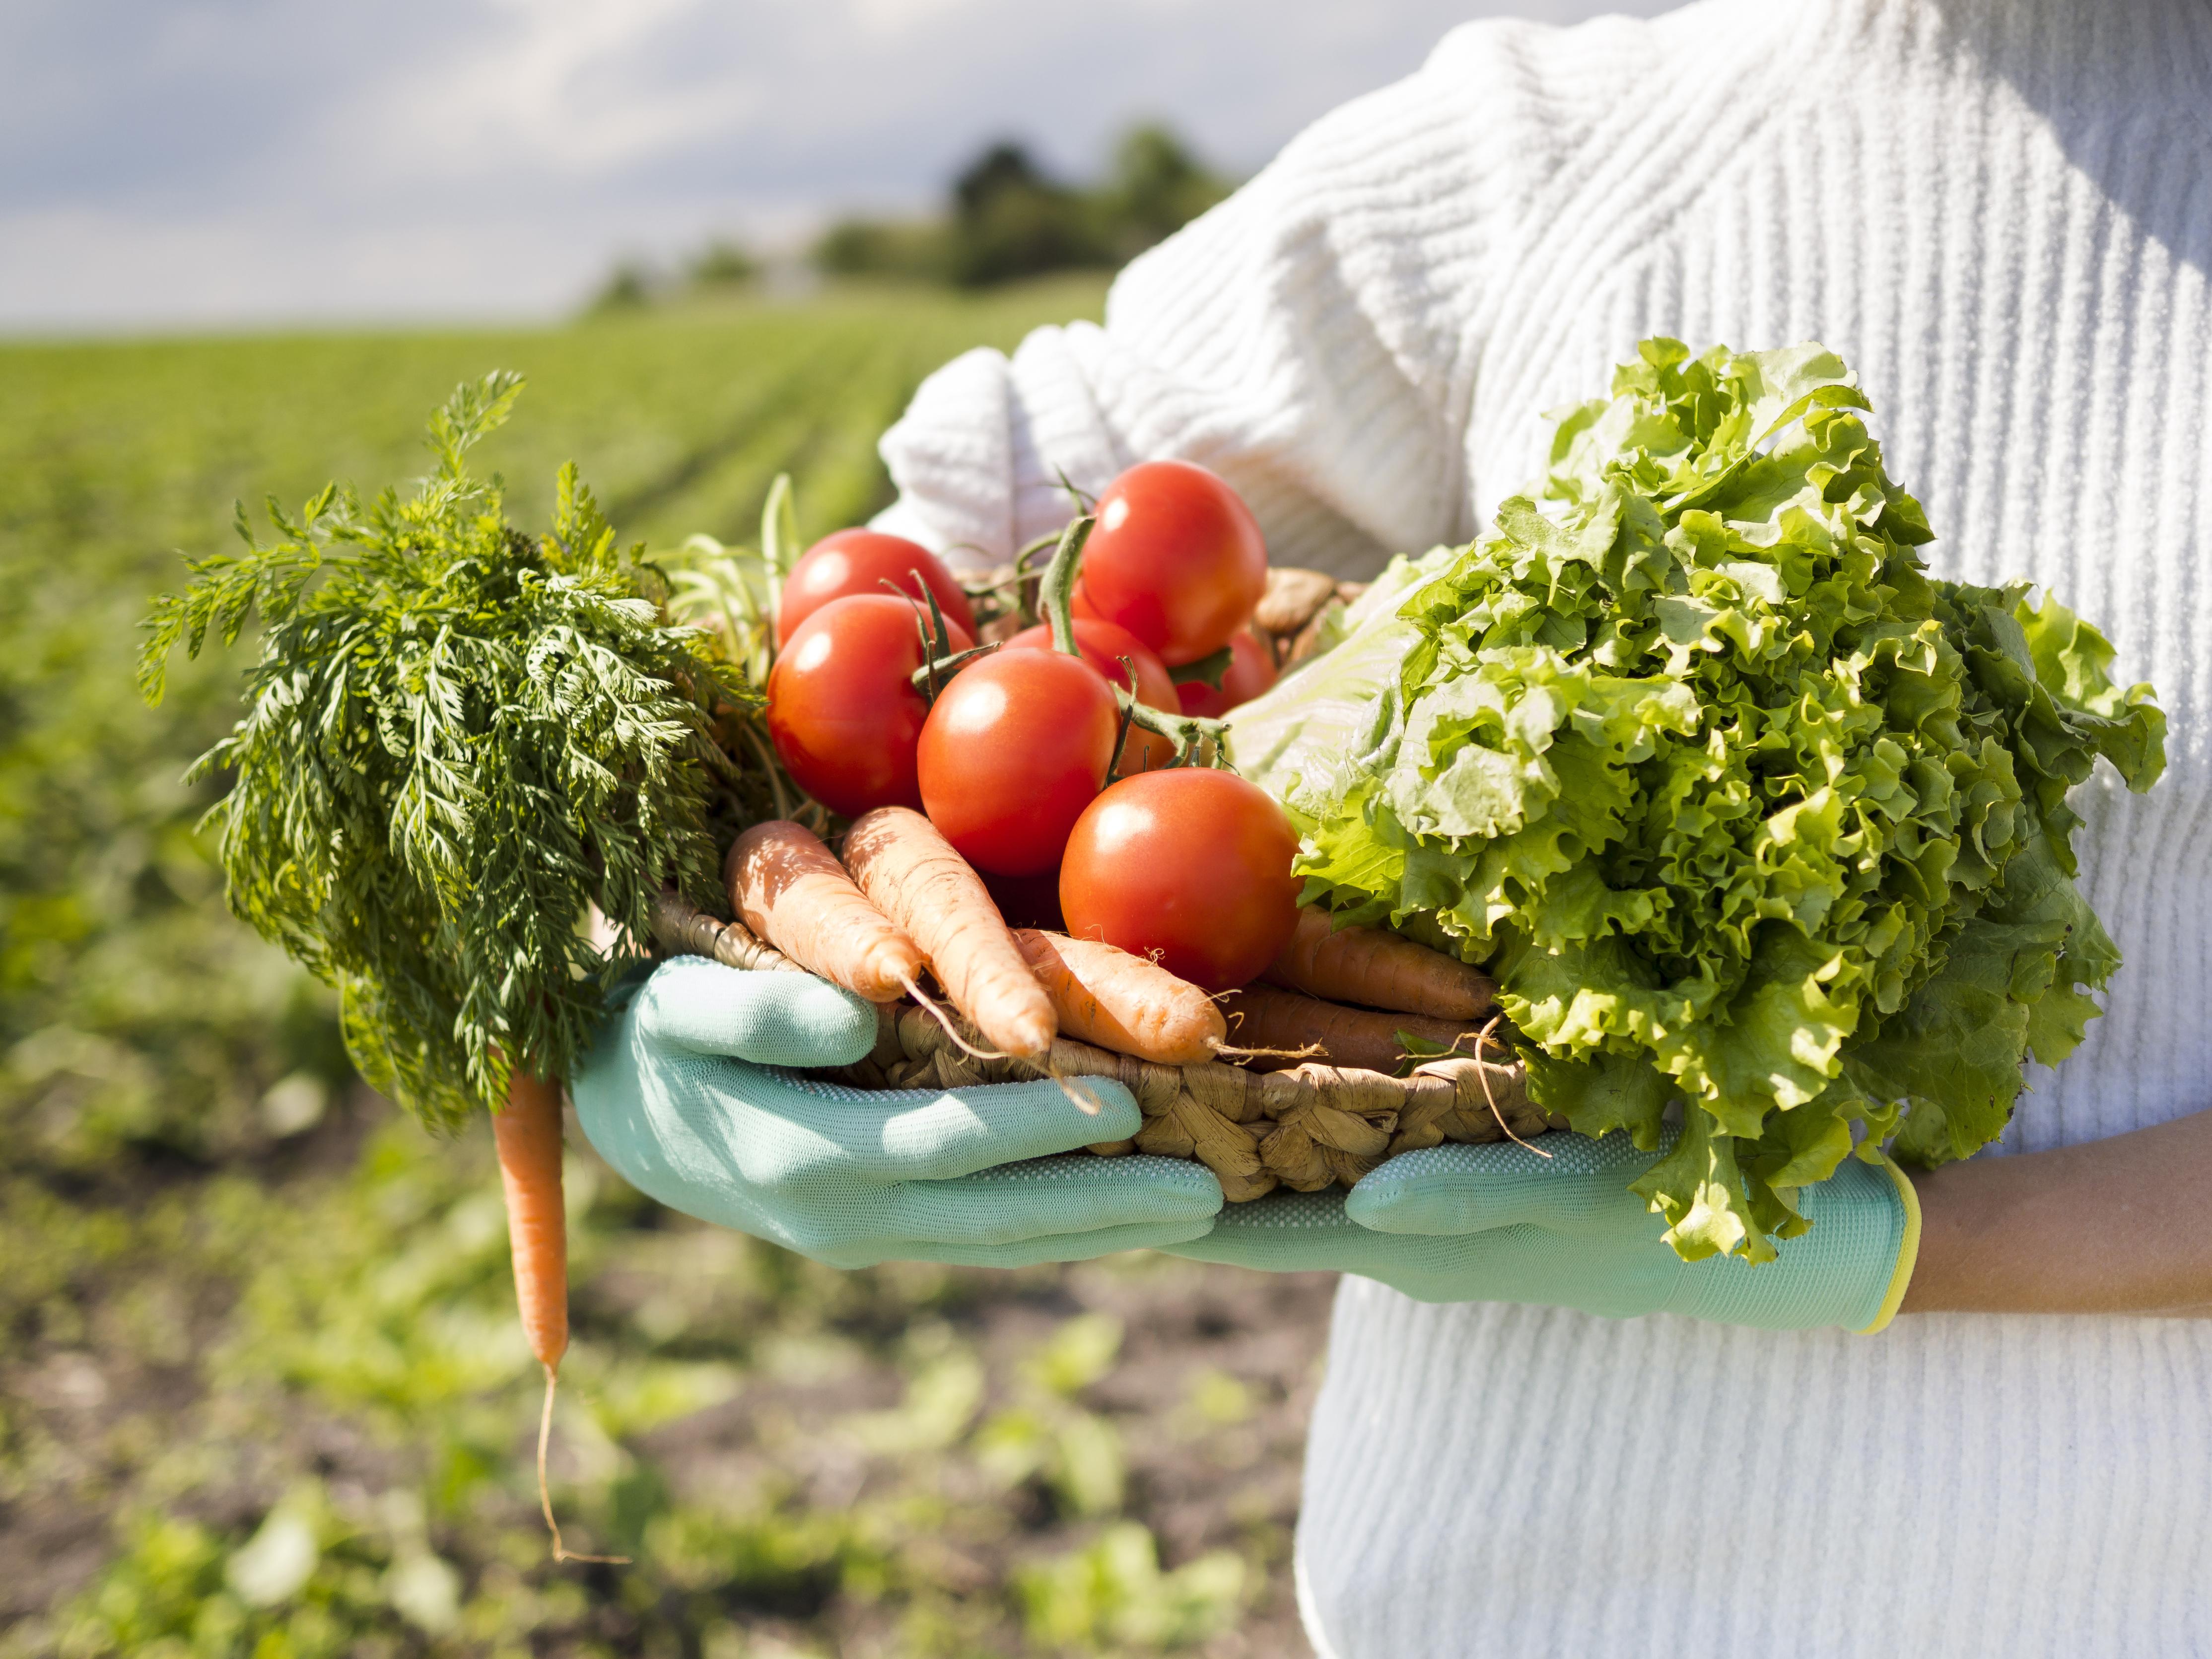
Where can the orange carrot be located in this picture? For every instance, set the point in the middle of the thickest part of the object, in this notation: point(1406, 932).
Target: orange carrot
point(1378, 970)
point(1262, 1018)
point(528, 1137)
point(1105, 996)
point(789, 889)
point(912, 874)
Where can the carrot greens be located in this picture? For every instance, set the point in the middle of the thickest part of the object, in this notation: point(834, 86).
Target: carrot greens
point(457, 737)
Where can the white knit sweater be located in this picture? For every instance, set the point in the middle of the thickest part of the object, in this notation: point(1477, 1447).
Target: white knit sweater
point(2000, 211)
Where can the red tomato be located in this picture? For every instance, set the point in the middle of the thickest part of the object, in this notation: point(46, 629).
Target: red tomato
point(861, 561)
point(1177, 558)
point(842, 709)
point(1015, 749)
point(1192, 864)
point(1251, 670)
point(1103, 644)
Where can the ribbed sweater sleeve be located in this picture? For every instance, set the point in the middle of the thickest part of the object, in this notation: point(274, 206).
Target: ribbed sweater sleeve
point(1313, 338)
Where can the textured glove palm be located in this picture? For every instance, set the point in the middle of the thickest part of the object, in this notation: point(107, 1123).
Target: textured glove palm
point(675, 1096)
point(1502, 1224)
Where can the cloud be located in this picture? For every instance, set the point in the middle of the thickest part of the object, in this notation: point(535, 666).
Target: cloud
point(568, 88)
point(187, 160)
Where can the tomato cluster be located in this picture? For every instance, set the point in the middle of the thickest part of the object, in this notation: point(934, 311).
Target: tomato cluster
point(1032, 759)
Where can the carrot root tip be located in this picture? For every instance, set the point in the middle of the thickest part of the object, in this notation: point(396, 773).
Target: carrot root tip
point(561, 1552)
point(1482, 1076)
point(951, 1029)
point(1230, 1051)
point(1081, 1099)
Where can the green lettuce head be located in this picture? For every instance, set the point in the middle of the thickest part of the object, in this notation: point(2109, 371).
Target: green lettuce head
point(1742, 808)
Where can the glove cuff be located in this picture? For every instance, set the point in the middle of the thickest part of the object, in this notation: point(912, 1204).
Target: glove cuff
point(1908, 1251)
point(1850, 1270)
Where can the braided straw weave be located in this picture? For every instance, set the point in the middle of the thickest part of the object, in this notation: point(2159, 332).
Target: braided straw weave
point(1304, 1128)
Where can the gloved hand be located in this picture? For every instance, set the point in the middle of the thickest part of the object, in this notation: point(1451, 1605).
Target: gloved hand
point(1502, 1224)
point(675, 1096)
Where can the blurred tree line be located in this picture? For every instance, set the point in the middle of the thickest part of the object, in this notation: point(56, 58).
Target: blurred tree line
point(1005, 217)
point(1009, 218)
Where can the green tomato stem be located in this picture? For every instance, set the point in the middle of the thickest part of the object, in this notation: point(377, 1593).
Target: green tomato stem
point(778, 546)
point(924, 678)
point(1057, 591)
point(1186, 732)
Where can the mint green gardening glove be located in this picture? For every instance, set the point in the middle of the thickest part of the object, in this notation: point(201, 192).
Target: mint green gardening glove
point(1502, 1224)
point(678, 1096)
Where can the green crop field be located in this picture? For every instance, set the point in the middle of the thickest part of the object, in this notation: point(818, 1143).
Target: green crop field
point(261, 1388)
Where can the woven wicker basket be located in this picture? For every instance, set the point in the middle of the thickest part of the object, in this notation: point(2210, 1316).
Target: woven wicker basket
point(1304, 1129)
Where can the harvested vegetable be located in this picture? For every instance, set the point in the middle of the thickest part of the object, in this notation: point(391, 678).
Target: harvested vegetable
point(843, 710)
point(790, 890)
point(1375, 968)
point(1305, 737)
point(1017, 747)
point(1113, 651)
point(862, 561)
point(1014, 749)
point(1190, 866)
point(1106, 996)
point(1737, 803)
point(1282, 1028)
point(1177, 559)
point(458, 737)
point(528, 1137)
point(912, 875)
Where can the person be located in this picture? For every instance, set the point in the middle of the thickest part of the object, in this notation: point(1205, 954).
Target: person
point(1999, 212)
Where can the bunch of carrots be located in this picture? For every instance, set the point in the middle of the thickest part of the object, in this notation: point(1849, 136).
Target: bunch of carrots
point(904, 903)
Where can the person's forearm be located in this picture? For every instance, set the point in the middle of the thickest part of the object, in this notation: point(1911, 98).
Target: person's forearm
point(2123, 1225)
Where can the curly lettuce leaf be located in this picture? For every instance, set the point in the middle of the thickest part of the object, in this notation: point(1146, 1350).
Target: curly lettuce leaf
point(1303, 736)
point(1741, 807)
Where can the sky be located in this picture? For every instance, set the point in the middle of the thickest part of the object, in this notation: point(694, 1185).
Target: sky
point(194, 163)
